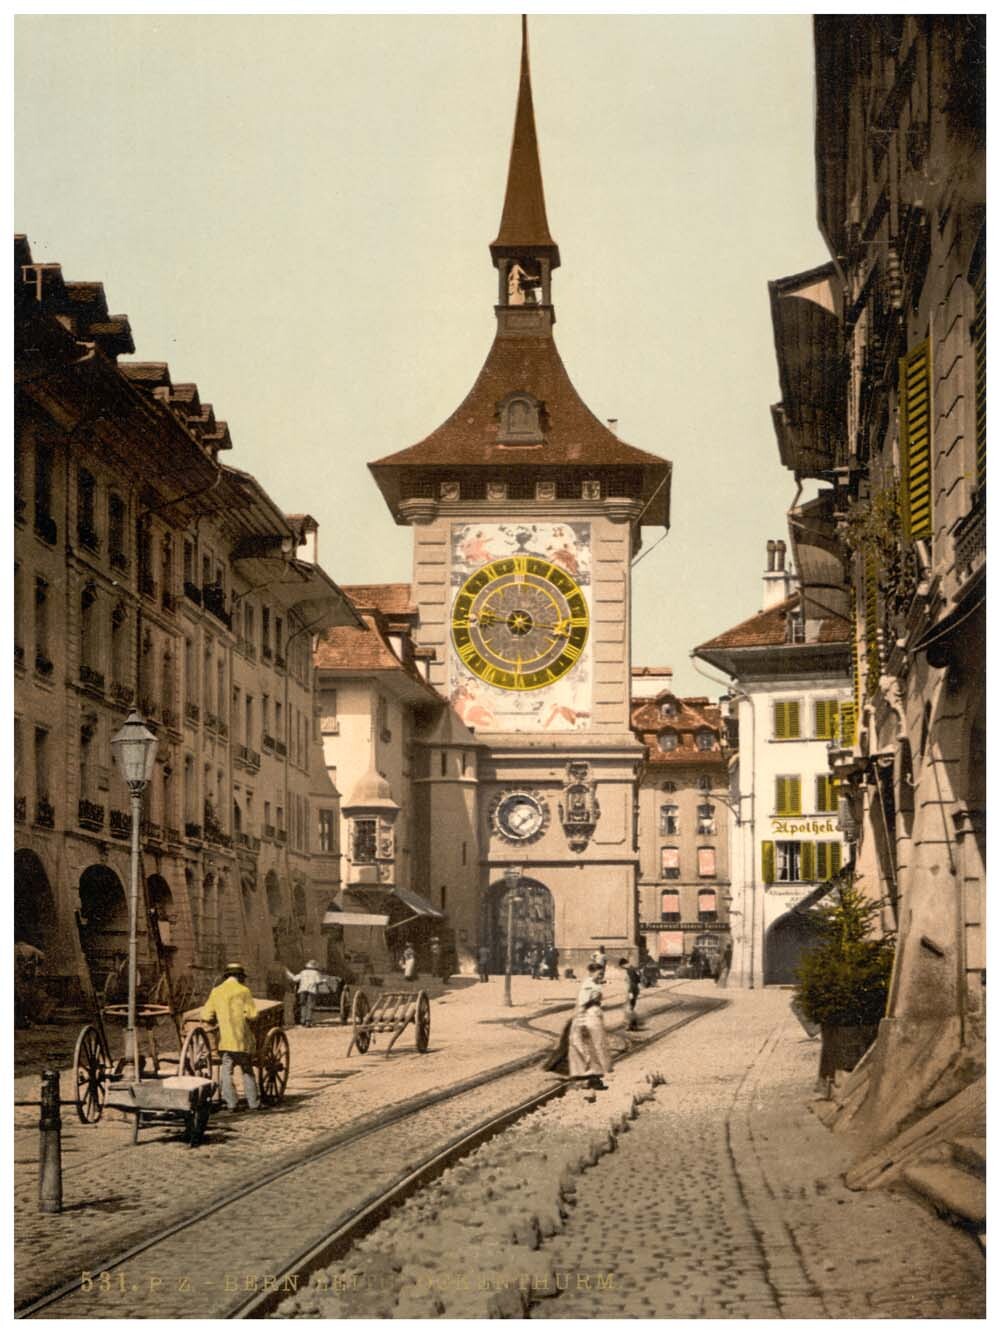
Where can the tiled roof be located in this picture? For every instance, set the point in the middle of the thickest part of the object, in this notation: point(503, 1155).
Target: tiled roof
point(768, 629)
point(573, 435)
point(391, 599)
point(356, 650)
point(691, 716)
point(524, 222)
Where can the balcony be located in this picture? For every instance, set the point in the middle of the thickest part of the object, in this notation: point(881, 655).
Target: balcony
point(267, 742)
point(240, 754)
point(280, 662)
point(246, 647)
point(168, 601)
point(87, 536)
point(43, 664)
point(217, 838)
point(223, 729)
point(192, 830)
point(90, 815)
point(119, 561)
point(147, 586)
point(20, 809)
point(45, 527)
point(94, 680)
point(122, 694)
point(269, 832)
point(266, 652)
point(214, 601)
point(253, 759)
point(170, 718)
point(970, 541)
point(281, 836)
point(120, 823)
point(192, 592)
point(150, 709)
point(172, 835)
point(151, 832)
point(45, 815)
point(192, 713)
point(280, 748)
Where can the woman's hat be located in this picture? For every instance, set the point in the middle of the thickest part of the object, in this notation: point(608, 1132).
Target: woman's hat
point(235, 970)
point(312, 963)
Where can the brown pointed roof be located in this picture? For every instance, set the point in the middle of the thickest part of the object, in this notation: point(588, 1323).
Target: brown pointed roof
point(524, 225)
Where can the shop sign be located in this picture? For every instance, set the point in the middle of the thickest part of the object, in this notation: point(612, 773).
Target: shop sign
point(791, 828)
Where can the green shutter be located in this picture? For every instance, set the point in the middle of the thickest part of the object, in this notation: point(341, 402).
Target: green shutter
point(767, 862)
point(915, 440)
point(807, 861)
point(979, 343)
point(847, 720)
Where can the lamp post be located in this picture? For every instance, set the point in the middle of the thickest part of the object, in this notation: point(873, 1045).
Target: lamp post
point(134, 752)
point(512, 878)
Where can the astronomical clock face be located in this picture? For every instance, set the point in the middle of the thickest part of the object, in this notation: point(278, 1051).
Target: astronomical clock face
point(520, 623)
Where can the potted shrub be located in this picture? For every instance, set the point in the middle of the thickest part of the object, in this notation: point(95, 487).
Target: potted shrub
point(843, 980)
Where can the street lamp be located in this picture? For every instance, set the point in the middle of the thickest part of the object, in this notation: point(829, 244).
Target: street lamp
point(512, 878)
point(134, 752)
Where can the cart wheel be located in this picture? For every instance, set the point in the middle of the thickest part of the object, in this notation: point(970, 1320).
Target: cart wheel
point(90, 1075)
point(345, 1004)
point(196, 1055)
point(360, 1009)
point(422, 1022)
point(275, 1062)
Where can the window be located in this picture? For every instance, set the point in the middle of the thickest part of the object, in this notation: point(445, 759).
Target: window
point(220, 670)
point(669, 822)
point(670, 905)
point(704, 782)
point(248, 732)
point(444, 763)
point(825, 719)
point(279, 629)
point(786, 720)
point(167, 684)
point(668, 708)
point(826, 793)
point(706, 820)
point(670, 863)
point(705, 740)
point(86, 500)
point(915, 440)
point(89, 636)
point(278, 721)
point(707, 905)
point(190, 678)
point(265, 714)
point(669, 787)
point(706, 862)
point(120, 640)
point(265, 630)
point(188, 563)
point(116, 531)
point(363, 842)
point(828, 860)
point(167, 570)
point(43, 664)
point(189, 800)
point(44, 522)
point(788, 795)
point(41, 765)
point(667, 740)
point(249, 628)
point(326, 843)
point(783, 864)
point(979, 344)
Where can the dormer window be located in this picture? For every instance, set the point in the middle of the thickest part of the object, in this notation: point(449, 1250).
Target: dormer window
point(667, 740)
point(668, 708)
point(705, 740)
point(520, 419)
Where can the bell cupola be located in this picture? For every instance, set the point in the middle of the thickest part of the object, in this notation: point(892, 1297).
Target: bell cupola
point(524, 252)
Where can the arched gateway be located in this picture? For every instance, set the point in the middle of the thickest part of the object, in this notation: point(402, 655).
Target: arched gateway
point(533, 921)
point(784, 944)
point(34, 905)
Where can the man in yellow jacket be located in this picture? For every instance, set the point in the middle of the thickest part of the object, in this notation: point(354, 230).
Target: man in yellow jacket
point(231, 1006)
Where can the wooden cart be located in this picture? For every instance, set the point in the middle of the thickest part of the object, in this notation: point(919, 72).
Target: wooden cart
point(96, 1068)
point(200, 1052)
point(392, 1012)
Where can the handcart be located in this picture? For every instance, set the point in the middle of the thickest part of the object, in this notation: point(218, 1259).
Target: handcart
point(200, 1055)
point(392, 1012)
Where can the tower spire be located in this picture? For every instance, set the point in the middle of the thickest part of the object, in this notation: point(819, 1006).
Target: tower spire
point(524, 227)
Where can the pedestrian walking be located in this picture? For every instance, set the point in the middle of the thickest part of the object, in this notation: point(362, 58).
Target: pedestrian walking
point(634, 979)
point(309, 981)
point(483, 963)
point(535, 960)
point(409, 962)
point(435, 949)
point(589, 1053)
point(231, 1005)
point(600, 957)
point(549, 962)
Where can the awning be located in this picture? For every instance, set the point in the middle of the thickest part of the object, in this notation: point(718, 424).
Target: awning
point(417, 904)
point(333, 918)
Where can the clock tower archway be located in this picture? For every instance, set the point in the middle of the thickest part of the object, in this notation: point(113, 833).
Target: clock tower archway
point(527, 512)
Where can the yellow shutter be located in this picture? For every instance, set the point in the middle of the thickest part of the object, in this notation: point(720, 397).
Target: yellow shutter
point(780, 722)
point(825, 719)
point(794, 796)
point(835, 857)
point(825, 801)
point(767, 862)
point(807, 861)
point(979, 341)
point(915, 440)
point(786, 720)
point(793, 720)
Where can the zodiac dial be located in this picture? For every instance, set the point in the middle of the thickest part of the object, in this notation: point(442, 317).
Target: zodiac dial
point(520, 623)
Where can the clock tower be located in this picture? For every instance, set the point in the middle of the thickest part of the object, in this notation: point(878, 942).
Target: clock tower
point(527, 512)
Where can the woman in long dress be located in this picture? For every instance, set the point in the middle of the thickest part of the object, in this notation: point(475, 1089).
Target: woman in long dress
point(409, 963)
point(589, 1053)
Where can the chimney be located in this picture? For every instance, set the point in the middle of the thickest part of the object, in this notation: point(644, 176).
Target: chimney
point(777, 579)
point(613, 425)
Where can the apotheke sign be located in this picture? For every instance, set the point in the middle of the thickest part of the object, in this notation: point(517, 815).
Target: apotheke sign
point(793, 828)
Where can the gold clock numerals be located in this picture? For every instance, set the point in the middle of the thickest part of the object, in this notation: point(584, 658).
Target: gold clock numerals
point(520, 623)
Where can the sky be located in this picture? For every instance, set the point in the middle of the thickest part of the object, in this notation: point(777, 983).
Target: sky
point(295, 213)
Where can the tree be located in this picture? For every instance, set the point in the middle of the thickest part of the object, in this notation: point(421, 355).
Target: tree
point(843, 981)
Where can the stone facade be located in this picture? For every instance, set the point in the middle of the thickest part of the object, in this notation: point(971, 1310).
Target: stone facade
point(894, 419)
point(149, 575)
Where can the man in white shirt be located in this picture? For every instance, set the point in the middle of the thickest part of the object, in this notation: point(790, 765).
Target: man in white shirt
point(309, 981)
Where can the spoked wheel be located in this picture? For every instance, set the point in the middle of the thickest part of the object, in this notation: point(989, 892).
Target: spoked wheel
point(422, 1022)
point(345, 1004)
point(360, 1010)
point(90, 1073)
point(196, 1055)
point(275, 1062)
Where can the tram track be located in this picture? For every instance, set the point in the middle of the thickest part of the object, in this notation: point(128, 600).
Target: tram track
point(326, 1178)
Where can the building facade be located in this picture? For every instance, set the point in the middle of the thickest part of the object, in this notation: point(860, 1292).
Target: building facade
point(886, 404)
point(150, 575)
point(791, 680)
point(526, 513)
point(683, 821)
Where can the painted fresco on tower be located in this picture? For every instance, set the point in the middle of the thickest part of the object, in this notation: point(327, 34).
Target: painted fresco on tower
point(520, 655)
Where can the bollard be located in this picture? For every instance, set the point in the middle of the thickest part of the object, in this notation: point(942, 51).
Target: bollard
point(50, 1146)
